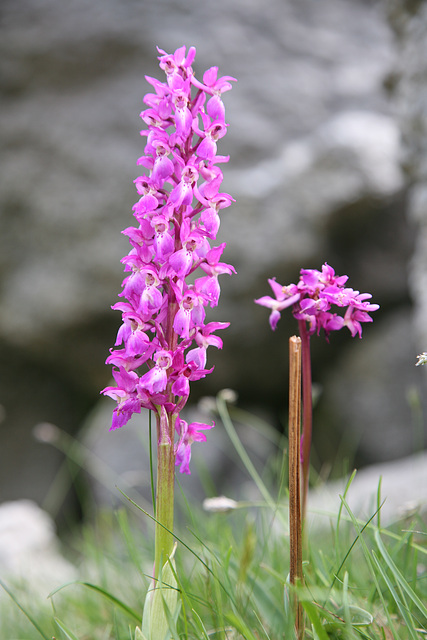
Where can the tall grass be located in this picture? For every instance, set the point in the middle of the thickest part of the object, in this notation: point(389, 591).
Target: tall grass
point(360, 580)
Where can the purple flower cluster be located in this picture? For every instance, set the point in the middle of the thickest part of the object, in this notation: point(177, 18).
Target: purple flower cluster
point(312, 298)
point(178, 216)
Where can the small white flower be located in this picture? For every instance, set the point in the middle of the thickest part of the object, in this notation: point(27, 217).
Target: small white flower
point(220, 504)
point(422, 359)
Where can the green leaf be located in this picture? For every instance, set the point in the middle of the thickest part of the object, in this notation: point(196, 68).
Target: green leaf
point(240, 626)
point(171, 618)
point(357, 616)
point(69, 635)
point(146, 616)
point(161, 606)
point(139, 635)
point(313, 614)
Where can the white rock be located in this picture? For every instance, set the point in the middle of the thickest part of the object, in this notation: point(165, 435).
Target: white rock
point(403, 490)
point(29, 548)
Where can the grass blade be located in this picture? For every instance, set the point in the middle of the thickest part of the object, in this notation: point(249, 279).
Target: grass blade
point(69, 635)
point(398, 576)
point(346, 489)
point(200, 625)
point(240, 626)
point(313, 615)
point(109, 596)
point(207, 567)
point(360, 531)
point(247, 462)
point(400, 603)
point(24, 611)
point(371, 564)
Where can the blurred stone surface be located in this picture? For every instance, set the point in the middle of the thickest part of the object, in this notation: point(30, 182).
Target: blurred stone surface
point(315, 170)
point(409, 20)
point(402, 489)
point(29, 550)
point(379, 411)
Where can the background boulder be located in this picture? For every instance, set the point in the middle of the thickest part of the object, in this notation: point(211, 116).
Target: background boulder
point(315, 169)
point(30, 553)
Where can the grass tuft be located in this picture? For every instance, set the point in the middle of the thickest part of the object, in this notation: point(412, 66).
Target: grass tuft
point(361, 580)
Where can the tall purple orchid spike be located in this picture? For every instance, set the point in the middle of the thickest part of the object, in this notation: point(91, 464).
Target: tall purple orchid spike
point(320, 300)
point(162, 345)
point(163, 341)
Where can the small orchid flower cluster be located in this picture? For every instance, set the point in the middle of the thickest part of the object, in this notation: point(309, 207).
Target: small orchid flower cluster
point(312, 298)
point(178, 216)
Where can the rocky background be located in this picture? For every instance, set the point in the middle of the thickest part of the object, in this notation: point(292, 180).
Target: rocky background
point(328, 141)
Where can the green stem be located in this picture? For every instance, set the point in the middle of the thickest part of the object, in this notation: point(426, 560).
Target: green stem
point(164, 539)
point(150, 441)
point(307, 412)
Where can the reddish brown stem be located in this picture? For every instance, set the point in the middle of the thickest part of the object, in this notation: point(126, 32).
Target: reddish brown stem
point(295, 528)
point(307, 413)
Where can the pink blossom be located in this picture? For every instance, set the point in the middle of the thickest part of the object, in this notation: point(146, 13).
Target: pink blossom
point(162, 344)
point(189, 433)
point(312, 298)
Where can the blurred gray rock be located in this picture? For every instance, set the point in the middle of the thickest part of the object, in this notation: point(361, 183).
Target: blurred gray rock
point(350, 158)
point(73, 87)
point(402, 486)
point(30, 555)
point(373, 388)
point(315, 170)
point(409, 20)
